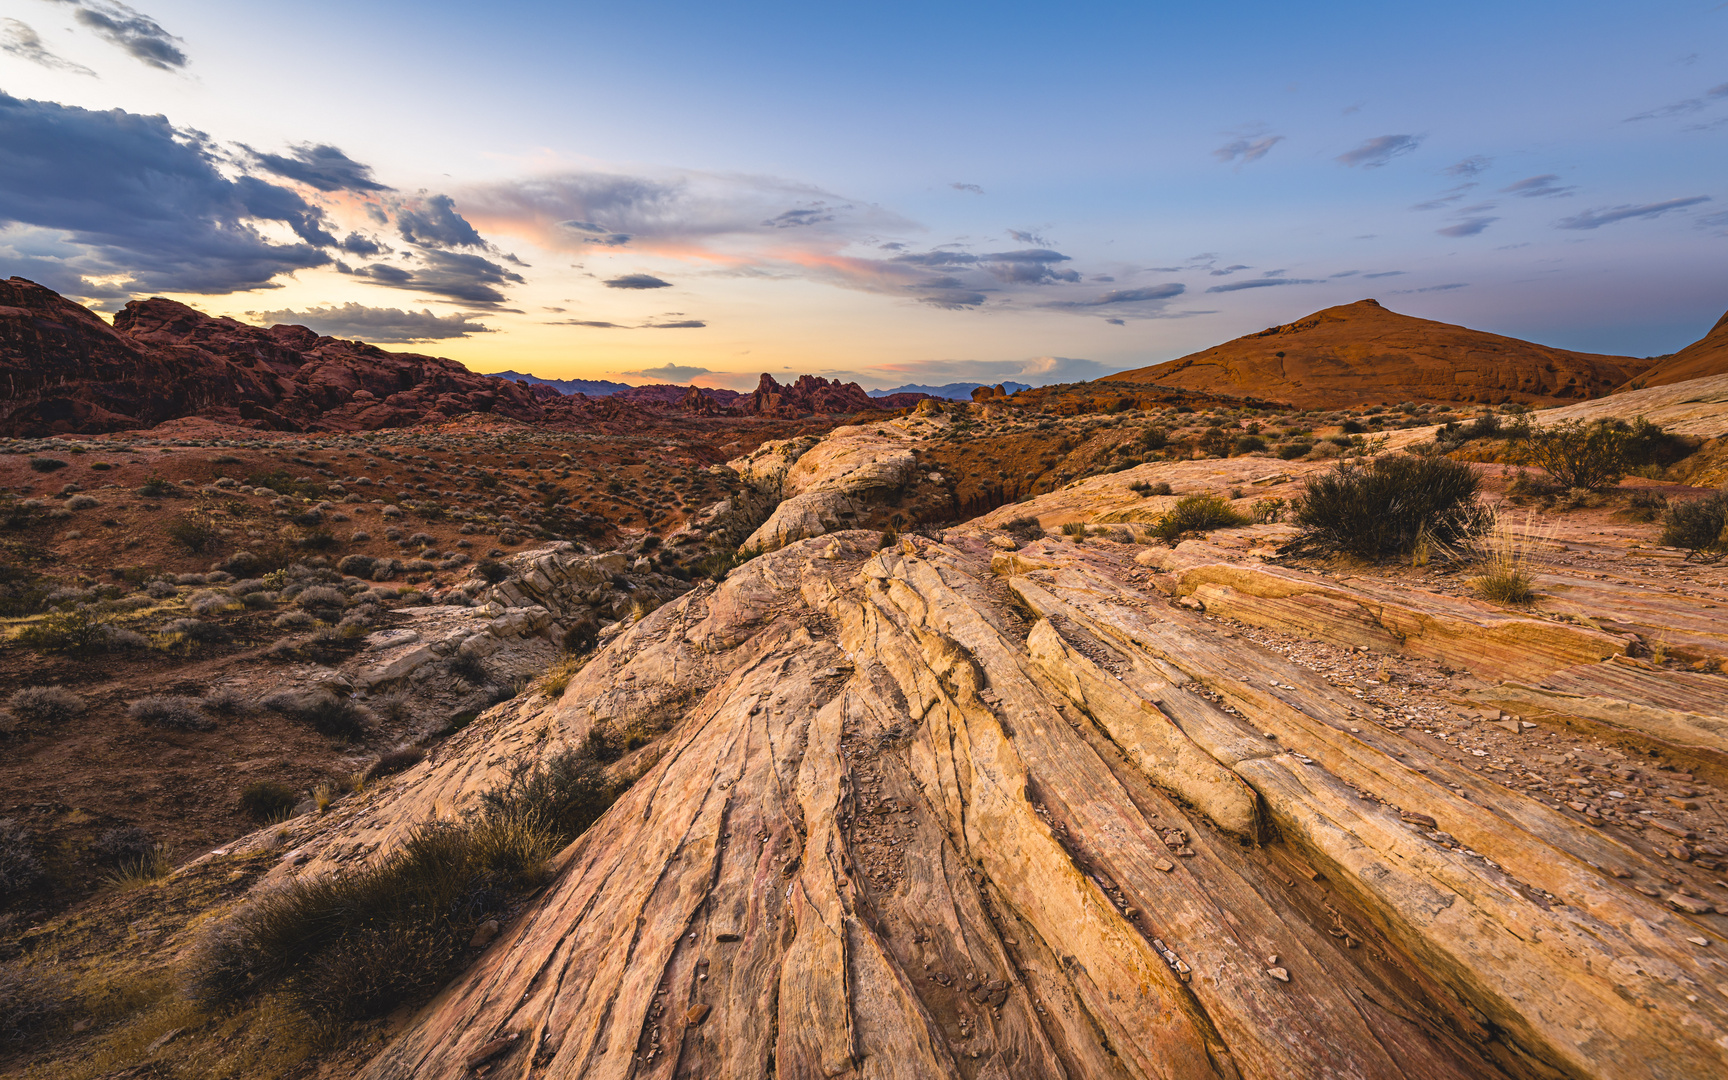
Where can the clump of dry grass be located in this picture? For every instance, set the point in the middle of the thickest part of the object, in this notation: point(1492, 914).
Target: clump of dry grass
point(1502, 552)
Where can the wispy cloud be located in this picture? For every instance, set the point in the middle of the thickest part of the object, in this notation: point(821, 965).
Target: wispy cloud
point(1596, 218)
point(1712, 96)
point(1246, 149)
point(139, 35)
point(1545, 186)
point(973, 188)
point(21, 40)
point(1260, 283)
point(1446, 198)
point(669, 373)
point(1470, 226)
point(1380, 150)
point(1470, 166)
point(1151, 294)
point(638, 281)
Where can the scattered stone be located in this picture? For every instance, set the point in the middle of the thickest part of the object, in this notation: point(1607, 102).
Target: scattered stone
point(1279, 973)
point(697, 1013)
point(1691, 905)
point(484, 933)
point(726, 937)
point(1164, 864)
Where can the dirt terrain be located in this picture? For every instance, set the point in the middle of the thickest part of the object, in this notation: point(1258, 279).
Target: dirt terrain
point(922, 791)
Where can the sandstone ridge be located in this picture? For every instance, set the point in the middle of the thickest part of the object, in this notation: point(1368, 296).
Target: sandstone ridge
point(1363, 353)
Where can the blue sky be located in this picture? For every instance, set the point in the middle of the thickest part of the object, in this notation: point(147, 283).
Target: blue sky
point(889, 192)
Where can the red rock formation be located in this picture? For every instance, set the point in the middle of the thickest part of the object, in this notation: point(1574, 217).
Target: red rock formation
point(810, 394)
point(1361, 353)
point(1705, 357)
point(63, 370)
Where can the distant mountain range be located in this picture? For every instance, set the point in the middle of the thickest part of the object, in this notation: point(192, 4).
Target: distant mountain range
point(958, 391)
point(591, 387)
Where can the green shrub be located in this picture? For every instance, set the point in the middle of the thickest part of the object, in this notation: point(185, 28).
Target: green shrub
point(142, 869)
point(267, 801)
point(1154, 438)
point(1698, 525)
point(1250, 444)
point(46, 464)
point(1196, 513)
point(1384, 505)
point(1578, 455)
point(76, 631)
point(1023, 528)
point(193, 532)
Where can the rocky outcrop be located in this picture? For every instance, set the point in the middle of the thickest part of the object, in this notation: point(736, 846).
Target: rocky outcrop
point(921, 813)
point(810, 394)
point(1361, 354)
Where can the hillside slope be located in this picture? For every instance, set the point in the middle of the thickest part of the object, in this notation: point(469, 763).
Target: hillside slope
point(1362, 354)
point(1703, 358)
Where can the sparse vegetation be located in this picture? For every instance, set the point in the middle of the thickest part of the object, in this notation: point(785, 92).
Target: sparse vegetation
point(1700, 526)
point(492, 571)
point(1503, 558)
point(324, 712)
point(394, 761)
point(1196, 513)
point(45, 704)
point(196, 533)
point(31, 1001)
point(45, 464)
point(1578, 455)
point(267, 801)
point(1384, 505)
point(468, 667)
point(170, 712)
point(20, 869)
point(1024, 529)
point(141, 869)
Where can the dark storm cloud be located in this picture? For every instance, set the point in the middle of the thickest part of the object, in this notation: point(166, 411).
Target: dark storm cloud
point(1470, 226)
point(119, 194)
point(1710, 97)
point(136, 33)
point(1538, 187)
point(364, 246)
point(389, 325)
point(323, 167)
point(1596, 218)
point(450, 274)
point(1260, 283)
point(436, 224)
point(637, 281)
point(1379, 150)
point(1245, 150)
point(21, 40)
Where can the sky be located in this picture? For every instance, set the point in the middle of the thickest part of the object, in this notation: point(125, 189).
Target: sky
point(887, 192)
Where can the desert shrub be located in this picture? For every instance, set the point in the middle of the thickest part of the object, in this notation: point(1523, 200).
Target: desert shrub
point(1196, 513)
point(152, 865)
point(76, 631)
point(1698, 525)
point(46, 464)
point(120, 844)
point(581, 637)
point(1023, 528)
point(193, 532)
point(1648, 444)
point(209, 602)
point(324, 712)
point(156, 487)
point(1386, 504)
point(1646, 506)
point(357, 944)
point(357, 565)
point(82, 502)
point(171, 712)
point(1073, 528)
point(20, 870)
point(1290, 451)
point(160, 590)
point(292, 620)
point(1267, 510)
point(225, 701)
point(45, 704)
point(394, 761)
point(31, 1001)
point(1249, 444)
point(1503, 558)
point(563, 794)
point(1154, 438)
point(197, 631)
point(320, 598)
point(265, 801)
point(467, 667)
point(392, 707)
point(1578, 455)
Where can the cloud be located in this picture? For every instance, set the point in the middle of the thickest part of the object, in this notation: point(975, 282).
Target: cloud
point(973, 188)
point(364, 246)
point(681, 324)
point(1116, 322)
point(21, 40)
point(819, 213)
point(1538, 187)
point(1596, 218)
point(1260, 283)
point(1386, 273)
point(1432, 288)
point(389, 325)
point(323, 167)
point(1446, 198)
point(1470, 226)
point(1690, 105)
point(1470, 166)
point(1344, 273)
point(948, 294)
point(450, 274)
point(138, 34)
point(435, 223)
point(1128, 296)
point(134, 201)
point(1226, 271)
point(1037, 370)
point(1380, 150)
point(672, 373)
point(638, 281)
point(1020, 237)
point(1245, 150)
point(592, 323)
